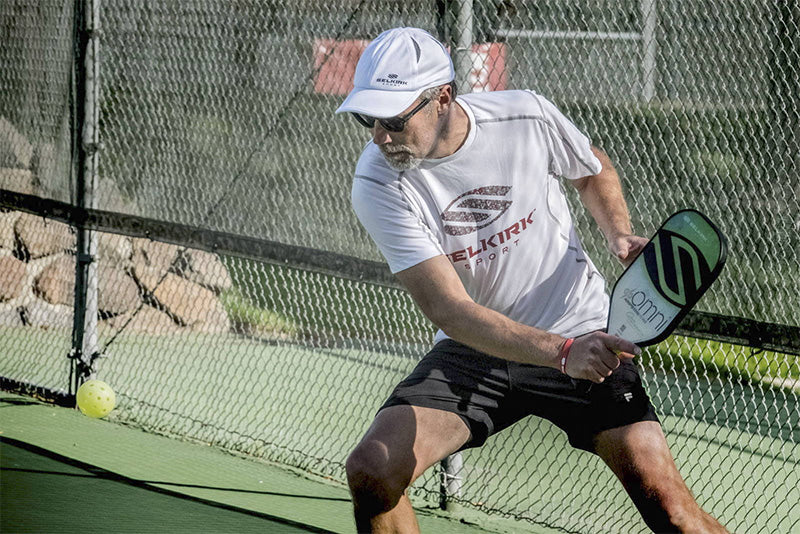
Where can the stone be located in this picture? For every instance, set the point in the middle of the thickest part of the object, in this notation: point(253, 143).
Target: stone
point(10, 316)
point(39, 313)
point(7, 237)
point(46, 166)
point(15, 149)
point(43, 237)
point(116, 291)
point(18, 180)
point(114, 249)
point(13, 275)
point(214, 321)
point(56, 283)
point(110, 198)
point(194, 305)
point(206, 269)
point(148, 320)
point(151, 259)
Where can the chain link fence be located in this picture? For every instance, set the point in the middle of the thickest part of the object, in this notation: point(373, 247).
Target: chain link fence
point(260, 319)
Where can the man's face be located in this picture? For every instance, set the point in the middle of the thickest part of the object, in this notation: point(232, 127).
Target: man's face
point(406, 149)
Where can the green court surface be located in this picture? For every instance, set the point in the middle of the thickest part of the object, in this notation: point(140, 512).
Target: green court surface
point(63, 472)
point(81, 496)
point(736, 442)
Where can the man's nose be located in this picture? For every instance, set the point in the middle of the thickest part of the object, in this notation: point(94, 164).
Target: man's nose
point(379, 135)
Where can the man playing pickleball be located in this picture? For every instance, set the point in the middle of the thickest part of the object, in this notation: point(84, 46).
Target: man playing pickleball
point(463, 199)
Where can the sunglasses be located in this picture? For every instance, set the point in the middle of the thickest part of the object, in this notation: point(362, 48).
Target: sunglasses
point(392, 124)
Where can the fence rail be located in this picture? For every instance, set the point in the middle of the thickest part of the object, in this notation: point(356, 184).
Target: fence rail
point(704, 325)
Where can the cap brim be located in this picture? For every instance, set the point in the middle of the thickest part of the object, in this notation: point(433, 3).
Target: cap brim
point(377, 103)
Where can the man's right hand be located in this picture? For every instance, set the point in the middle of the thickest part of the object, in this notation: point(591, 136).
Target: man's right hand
point(594, 356)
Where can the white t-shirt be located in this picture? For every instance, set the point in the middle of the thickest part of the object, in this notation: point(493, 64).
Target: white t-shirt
point(496, 209)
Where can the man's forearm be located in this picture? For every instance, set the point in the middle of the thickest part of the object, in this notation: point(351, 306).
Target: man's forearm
point(602, 196)
point(493, 333)
point(440, 294)
point(593, 356)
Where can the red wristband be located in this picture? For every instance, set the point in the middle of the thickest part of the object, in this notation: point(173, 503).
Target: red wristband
point(563, 354)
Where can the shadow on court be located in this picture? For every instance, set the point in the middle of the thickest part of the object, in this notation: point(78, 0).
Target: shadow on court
point(41, 491)
point(7, 403)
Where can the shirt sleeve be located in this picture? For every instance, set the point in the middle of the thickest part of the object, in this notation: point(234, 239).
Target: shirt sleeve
point(400, 234)
point(571, 155)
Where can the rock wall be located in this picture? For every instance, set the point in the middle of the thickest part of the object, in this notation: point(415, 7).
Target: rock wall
point(153, 287)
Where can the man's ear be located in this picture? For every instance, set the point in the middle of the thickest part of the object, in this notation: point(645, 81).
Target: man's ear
point(445, 98)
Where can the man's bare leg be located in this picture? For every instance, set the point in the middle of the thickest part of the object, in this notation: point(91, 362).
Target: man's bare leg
point(640, 457)
point(402, 443)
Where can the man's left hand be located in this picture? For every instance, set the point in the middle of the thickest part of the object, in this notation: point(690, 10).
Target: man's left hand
point(627, 247)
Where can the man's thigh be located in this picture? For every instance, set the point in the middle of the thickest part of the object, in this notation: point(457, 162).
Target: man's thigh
point(413, 438)
point(640, 457)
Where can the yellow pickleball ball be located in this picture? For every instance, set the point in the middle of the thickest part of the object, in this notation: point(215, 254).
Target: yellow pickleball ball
point(96, 398)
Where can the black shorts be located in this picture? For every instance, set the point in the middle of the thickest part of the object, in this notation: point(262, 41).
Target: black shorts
point(491, 394)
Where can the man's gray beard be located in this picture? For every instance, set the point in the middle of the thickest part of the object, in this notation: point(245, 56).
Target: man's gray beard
point(407, 162)
point(404, 164)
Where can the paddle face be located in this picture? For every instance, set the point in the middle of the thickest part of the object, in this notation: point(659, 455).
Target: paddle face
point(665, 281)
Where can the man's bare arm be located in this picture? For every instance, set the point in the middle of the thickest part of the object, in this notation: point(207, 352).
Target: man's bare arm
point(438, 291)
point(602, 196)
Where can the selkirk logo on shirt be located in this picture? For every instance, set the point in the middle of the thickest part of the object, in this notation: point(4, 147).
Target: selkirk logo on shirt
point(475, 209)
point(495, 245)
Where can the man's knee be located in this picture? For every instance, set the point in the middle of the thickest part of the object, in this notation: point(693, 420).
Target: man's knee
point(377, 480)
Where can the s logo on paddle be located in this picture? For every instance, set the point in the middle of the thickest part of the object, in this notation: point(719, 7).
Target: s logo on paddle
point(676, 267)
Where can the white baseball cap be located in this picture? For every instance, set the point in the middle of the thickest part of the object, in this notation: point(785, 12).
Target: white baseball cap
point(394, 69)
